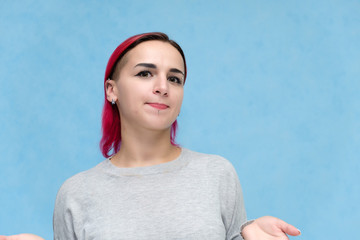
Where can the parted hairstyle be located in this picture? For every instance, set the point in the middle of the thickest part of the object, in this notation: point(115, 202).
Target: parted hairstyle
point(111, 130)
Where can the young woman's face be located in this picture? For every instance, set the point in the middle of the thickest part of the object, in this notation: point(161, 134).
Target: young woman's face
point(149, 88)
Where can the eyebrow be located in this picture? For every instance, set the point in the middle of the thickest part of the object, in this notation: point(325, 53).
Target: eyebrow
point(150, 65)
point(175, 70)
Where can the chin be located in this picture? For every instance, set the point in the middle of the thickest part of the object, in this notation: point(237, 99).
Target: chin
point(164, 126)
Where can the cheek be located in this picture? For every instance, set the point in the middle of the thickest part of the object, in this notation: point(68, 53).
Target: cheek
point(133, 97)
point(125, 100)
point(179, 99)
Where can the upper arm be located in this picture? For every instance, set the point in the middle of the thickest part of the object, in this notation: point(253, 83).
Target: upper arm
point(63, 219)
point(233, 207)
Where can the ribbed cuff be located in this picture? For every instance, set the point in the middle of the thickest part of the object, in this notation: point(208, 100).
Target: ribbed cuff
point(244, 225)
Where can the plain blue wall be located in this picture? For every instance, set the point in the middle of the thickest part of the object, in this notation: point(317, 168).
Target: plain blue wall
point(272, 85)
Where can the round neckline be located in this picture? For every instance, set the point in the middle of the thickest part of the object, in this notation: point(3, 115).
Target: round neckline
point(170, 166)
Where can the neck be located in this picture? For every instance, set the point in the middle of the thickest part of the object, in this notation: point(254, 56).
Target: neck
point(145, 149)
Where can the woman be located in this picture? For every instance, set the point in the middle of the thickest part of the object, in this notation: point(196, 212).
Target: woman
point(149, 187)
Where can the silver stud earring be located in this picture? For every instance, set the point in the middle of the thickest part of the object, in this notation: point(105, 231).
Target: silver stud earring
point(113, 102)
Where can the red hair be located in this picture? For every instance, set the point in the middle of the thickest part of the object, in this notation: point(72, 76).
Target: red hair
point(111, 125)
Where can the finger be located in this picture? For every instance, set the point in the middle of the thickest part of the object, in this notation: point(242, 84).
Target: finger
point(13, 237)
point(7, 237)
point(29, 236)
point(289, 229)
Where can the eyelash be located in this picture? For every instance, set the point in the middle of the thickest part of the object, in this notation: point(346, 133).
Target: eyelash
point(147, 74)
point(144, 74)
point(175, 80)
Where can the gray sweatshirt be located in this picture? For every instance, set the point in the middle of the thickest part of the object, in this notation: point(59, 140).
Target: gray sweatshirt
point(196, 196)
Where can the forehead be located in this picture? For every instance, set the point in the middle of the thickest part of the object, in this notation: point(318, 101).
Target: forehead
point(156, 52)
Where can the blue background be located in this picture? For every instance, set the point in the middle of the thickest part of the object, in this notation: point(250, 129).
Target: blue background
point(272, 85)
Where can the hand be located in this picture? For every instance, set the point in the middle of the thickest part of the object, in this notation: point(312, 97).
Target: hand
point(269, 228)
point(24, 236)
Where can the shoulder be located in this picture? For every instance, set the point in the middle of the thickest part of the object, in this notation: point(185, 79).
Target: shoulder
point(215, 171)
point(210, 162)
point(76, 185)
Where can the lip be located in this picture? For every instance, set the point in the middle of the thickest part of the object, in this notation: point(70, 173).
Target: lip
point(159, 106)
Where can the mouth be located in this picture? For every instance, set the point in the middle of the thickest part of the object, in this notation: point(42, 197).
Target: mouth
point(159, 106)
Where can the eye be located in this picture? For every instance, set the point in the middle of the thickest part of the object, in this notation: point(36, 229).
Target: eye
point(144, 74)
point(175, 80)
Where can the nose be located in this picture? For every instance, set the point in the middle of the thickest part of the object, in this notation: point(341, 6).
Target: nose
point(161, 86)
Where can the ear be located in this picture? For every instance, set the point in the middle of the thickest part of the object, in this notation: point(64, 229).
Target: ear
point(111, 90)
